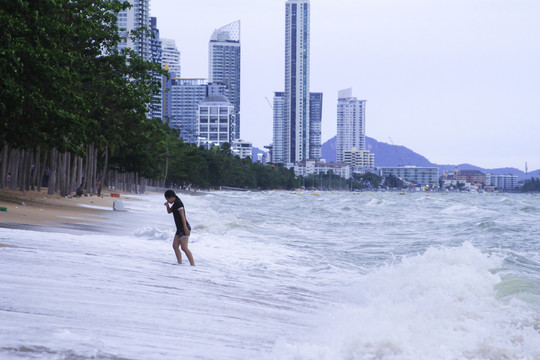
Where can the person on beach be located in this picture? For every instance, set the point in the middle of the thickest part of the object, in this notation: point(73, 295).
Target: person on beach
point(183, 228)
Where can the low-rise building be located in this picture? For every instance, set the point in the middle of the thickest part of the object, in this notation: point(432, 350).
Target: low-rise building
point(359, 158)
point(471, 176)
point(312, 166)
point(241, 148)
point(504, 182)
point(412, 174)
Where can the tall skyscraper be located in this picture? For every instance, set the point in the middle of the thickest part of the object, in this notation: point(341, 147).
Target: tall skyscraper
point(294, 144)
point(156, 107)
point(281, 131)
point(224, 67)
point(351, 124)
point(315, 119)
point(132, 19)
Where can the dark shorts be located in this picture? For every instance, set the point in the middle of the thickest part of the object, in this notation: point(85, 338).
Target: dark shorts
point(180, 232)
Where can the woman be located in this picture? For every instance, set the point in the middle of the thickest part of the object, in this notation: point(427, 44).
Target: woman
point(182, 226)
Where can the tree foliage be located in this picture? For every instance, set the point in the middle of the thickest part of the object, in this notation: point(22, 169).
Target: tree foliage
point(531, 185)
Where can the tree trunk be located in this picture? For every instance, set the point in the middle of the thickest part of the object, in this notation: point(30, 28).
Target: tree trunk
point(52, 172)
point(36, 169)
point(42, 172)
point(105, 166)
point(4, 167)
point(20, 170)
point(73, 182)
point(80, 168)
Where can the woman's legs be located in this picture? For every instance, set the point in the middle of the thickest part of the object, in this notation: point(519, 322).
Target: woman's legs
point(176, 247)
point(184, 243)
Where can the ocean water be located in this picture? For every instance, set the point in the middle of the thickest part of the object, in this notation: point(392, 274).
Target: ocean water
point(282, 275)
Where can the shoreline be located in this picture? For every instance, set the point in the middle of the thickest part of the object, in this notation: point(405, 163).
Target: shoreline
point(29, 209)
point(39, 211)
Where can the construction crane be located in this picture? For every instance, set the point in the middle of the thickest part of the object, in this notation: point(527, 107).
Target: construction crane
point(269, 104)
point(397, 152)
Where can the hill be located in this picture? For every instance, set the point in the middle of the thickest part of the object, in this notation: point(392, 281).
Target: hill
point(399, 155)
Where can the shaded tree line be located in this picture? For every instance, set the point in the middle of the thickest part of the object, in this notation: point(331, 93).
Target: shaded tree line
point(531, 185)
point(188, 164)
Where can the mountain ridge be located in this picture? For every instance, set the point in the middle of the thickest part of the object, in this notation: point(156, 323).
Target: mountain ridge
point(399, 155)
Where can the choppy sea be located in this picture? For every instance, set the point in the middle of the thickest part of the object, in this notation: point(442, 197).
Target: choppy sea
point(281, 275)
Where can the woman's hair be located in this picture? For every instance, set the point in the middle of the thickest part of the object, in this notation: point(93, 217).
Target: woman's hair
point(169, 194)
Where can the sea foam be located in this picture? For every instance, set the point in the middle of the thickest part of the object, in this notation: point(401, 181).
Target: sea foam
point(442, 304)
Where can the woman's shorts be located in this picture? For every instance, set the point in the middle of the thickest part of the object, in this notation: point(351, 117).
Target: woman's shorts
point(180, 232)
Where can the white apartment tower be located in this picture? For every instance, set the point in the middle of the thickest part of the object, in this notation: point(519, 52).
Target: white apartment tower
point(135, 18)
point(171, 57)
point(297, 53)
point(351, 124)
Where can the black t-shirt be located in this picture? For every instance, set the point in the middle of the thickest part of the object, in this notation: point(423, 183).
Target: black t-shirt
point(177, 205)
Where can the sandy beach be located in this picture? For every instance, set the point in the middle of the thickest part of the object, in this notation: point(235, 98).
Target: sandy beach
point(30, 209)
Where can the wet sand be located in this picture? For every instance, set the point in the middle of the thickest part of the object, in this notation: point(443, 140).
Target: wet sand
point(40, 211)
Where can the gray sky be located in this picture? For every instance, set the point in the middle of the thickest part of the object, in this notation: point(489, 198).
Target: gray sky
point(457, 81)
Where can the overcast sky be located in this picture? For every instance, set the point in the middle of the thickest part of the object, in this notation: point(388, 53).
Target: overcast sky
point(457, 81)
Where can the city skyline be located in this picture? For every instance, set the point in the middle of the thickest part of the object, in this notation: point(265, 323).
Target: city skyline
point(457, 81)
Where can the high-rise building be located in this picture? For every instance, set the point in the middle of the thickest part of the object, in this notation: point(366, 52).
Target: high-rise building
point(281, 131)
point(351, 122)
point(183, 100)
point(133, 19)
point(171, 57)
point(224, 67)
point(156, 107)
point(297, 53)
point(281, 145)
point(315, 119)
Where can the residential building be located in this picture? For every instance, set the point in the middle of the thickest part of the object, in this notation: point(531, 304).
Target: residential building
point(297, 66)
point(135, 18)
point(171, 57)
point(412, 174)
point(504, 182)
point(242, 148)
point(183, 100)
point(279, 153)
point(224, 67)
point(315, 121)
point(311, 166)
point(360, 159)
point(351, 124)
point(214, 117)
point(269, 157)
point(471, 176)
point(156, 53)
